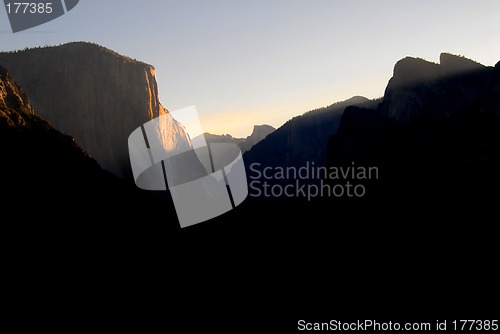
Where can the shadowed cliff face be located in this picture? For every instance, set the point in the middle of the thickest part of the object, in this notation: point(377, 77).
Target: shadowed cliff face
point(94, 94)
point(303, 138)
point(435, 139)
point(423, 90)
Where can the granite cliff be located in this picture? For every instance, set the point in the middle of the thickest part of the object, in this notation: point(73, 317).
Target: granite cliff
point(303, 138)
point(52, 187)
point(260, 132)
point(94, 94)
point(434, 138)
point(420, 89)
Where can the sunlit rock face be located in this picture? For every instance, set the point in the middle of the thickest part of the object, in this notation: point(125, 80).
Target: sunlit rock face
point(52, 189)
point(96, 95)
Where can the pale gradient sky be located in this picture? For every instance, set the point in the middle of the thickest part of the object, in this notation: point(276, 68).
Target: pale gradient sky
point(246, 62)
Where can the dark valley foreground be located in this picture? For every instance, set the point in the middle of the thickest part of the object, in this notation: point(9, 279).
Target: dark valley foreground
point(425, 227)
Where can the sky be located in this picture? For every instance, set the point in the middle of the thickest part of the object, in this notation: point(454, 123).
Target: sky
point(265, 61)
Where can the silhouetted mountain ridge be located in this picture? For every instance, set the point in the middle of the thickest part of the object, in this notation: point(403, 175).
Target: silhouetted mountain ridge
point(421, 89)
point(259, 133)
point(303, 138)
point(453, 64)
point(435, 141)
